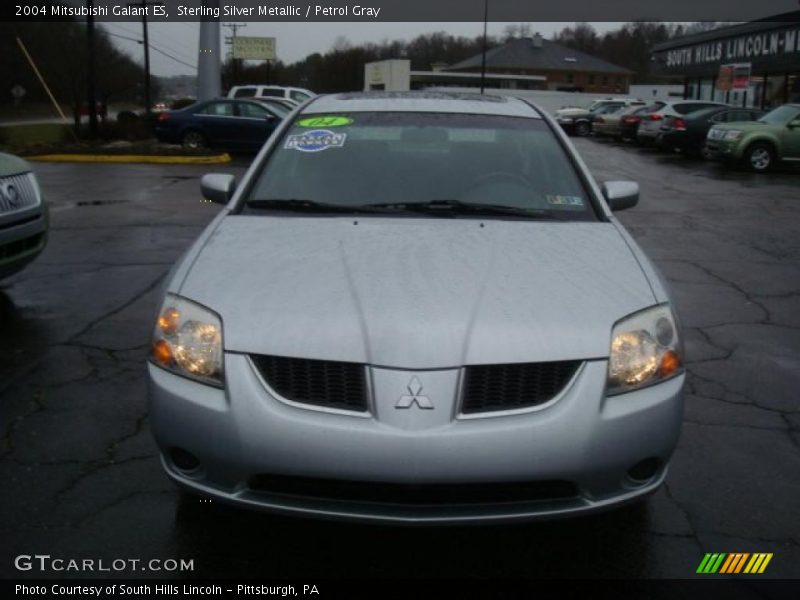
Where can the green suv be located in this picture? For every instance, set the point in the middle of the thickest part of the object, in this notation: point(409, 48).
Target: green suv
point(23, 215)
point(758, 144)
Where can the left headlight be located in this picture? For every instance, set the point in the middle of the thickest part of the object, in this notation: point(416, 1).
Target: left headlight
point(645, 349)
point(188, 340)
point(732, 135)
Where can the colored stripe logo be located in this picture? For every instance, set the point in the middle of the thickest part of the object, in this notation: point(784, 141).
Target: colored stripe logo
point(734, 563)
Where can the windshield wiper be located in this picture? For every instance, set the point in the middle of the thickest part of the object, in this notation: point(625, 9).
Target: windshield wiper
point(312, 206)
point(453, 207)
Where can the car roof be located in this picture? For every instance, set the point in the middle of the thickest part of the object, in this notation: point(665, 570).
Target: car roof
point(445, 102)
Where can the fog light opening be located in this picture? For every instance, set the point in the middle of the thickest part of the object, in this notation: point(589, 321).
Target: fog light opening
point(184, 460)
point(644, 470)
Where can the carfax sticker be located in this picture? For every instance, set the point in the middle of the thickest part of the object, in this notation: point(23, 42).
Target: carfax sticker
point(326, 121)
point(315, 141)
point(564, 200)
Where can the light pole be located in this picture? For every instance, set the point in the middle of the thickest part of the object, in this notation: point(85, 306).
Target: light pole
point(90, 89)
point(483, 54)
point(209, 63)
point(144, 4)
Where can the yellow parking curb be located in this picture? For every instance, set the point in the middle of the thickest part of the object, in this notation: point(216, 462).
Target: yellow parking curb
point(133, 158)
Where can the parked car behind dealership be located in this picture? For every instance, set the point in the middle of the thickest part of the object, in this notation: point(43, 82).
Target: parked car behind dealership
point(417, 308)
point(579, 120)
point(629, 123)
point(759, 144)
point(220, 123)
point(688, 133)
point(23, 215)
point(650, 125)
point(609, 124)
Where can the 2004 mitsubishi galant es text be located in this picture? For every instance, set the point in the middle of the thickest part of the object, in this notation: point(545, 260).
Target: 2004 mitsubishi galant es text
point(417, 308)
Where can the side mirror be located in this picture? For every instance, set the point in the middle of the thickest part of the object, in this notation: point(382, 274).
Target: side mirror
point(621, 194)
point(218, 187)
point(270, 118)
point(794, 124)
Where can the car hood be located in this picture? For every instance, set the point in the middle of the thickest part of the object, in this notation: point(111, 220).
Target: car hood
point(417, 293)
point(12, 165)
point(746, 126)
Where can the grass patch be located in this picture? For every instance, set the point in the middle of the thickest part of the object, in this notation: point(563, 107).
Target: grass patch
point(20, 136)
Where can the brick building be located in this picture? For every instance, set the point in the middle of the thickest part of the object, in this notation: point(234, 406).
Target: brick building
point(564, 69)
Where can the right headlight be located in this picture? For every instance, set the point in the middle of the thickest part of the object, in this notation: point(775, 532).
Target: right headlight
point(188, 340)
point(645, 349)
point(732, 135)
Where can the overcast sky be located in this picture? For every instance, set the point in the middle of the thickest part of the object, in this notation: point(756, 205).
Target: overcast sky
point(294, 40)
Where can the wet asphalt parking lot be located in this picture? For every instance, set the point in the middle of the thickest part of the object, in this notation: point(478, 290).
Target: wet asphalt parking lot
point(80, 472)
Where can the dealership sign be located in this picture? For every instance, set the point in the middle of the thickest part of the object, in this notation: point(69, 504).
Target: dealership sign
point(254, 48)
point(742, 48)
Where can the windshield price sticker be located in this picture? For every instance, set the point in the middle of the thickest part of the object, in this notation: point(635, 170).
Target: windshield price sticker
point(315, 141)
point(325, 122)
point(565, 200)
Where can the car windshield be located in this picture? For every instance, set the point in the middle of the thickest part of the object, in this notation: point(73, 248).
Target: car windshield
point(408, 160)
point(781, 115)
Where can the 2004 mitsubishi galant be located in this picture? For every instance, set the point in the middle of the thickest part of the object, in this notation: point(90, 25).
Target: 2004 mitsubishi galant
point(417, 308)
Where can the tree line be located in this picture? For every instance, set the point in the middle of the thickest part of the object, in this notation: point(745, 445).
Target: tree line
point(61, 54)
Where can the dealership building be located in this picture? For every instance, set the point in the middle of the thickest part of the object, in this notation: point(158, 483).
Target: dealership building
point(521, 64)
point(754, 64)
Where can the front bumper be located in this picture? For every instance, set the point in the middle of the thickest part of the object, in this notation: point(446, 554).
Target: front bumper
point(244, 434)
point(23, 236)
point(722, 150)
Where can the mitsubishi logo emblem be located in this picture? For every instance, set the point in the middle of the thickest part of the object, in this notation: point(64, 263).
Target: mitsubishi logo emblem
point(9, 196)
point(414, 388)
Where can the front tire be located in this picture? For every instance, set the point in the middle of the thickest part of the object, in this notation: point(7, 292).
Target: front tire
point(582, 129)
point(759, 157)
point(193, 140)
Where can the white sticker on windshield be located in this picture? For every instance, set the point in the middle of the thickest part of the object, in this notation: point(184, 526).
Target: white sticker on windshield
point(315, 141)
point(564, 200)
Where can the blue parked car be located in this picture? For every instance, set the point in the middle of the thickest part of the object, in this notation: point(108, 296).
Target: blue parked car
point(220, 123)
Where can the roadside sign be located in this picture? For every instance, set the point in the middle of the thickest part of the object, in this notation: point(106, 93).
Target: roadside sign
point(254, 48)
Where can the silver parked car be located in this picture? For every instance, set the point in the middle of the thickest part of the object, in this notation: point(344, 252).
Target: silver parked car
point(417, 308)
point(652, 120)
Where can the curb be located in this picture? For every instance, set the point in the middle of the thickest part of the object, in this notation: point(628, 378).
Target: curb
point(133, 158)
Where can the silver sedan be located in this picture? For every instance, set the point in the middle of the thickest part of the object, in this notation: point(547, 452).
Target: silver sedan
point(417, 308)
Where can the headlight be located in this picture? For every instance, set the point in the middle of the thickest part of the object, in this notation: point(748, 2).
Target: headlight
point(645, 349)
point(732, 135)
point(565, 119)
point(188, 340)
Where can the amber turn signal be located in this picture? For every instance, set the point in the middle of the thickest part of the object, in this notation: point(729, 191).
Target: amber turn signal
point(670, 363)
point(168, 321)
point(162, 353)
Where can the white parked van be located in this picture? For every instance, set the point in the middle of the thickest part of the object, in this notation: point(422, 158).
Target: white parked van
point(298, 95)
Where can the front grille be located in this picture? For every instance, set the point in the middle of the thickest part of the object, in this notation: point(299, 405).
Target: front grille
point(319, 382)
point(413, 494)
point(19, 247)
point(17, 192)
point(506, 387)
